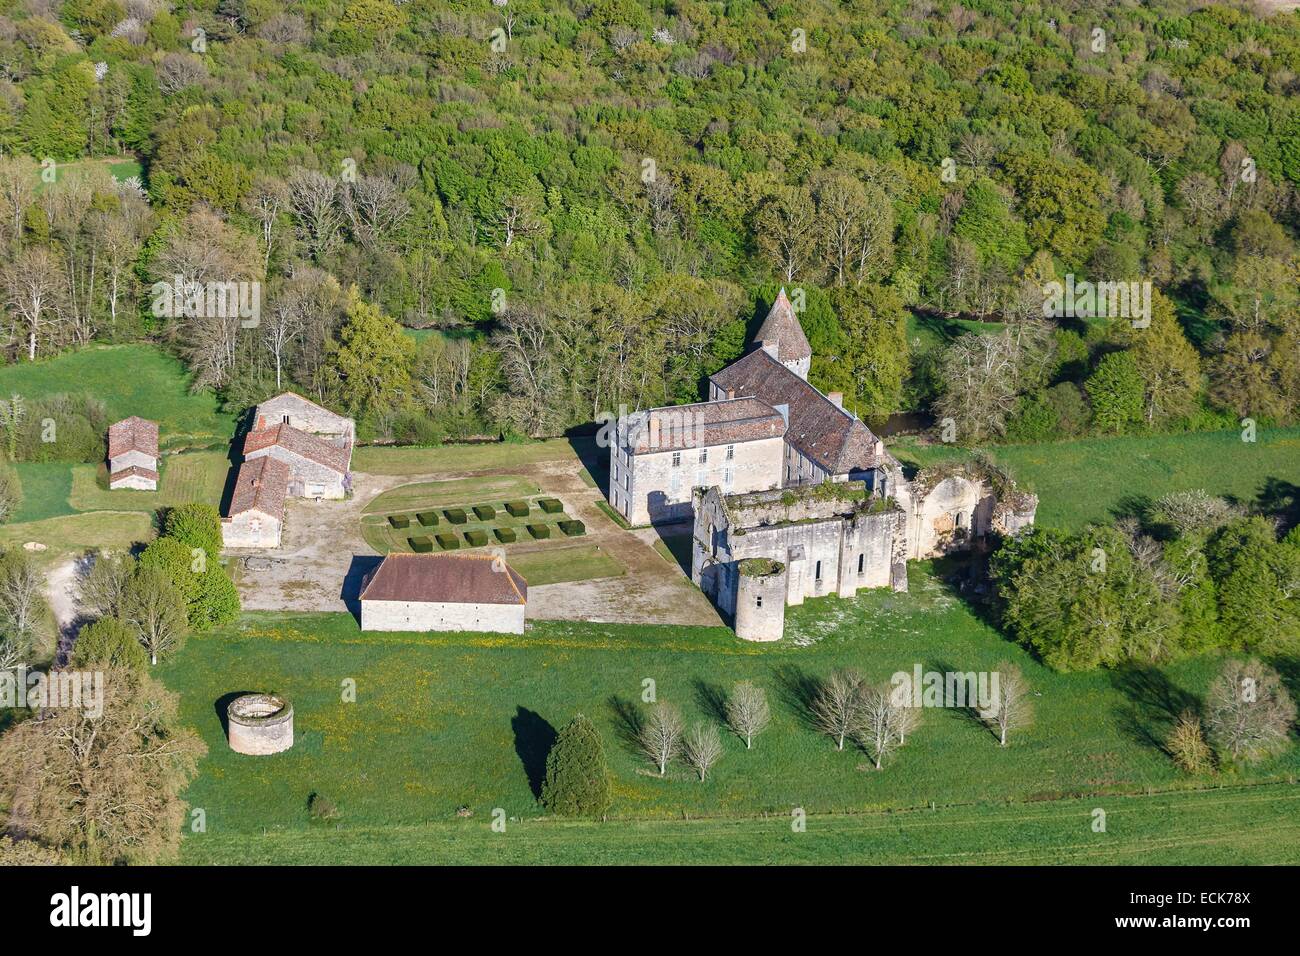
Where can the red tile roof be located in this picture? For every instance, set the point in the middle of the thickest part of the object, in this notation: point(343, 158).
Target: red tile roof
point(299, 443)
point(818, 428)
point(260, 486)
point(782, 328)
point(445, 579)
point(702, 424)
point(133, 434)
point(133, 471)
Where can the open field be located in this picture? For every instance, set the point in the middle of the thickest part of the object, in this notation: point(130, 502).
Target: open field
point(1254, 825)
point(444, 720)
point(1091, 480)
point(379, 460)
point(130, 380)
point(192, 476)
point(563, 563)
point(75, 534)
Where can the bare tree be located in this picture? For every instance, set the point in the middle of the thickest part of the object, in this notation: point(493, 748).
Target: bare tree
point(702, 748)
point(32, 287)
point(660, 735)
point(312, 199)
point(876, 724)
point(786, 229)
point(1012, 706)
point(375, 208)
point(105, 584)
point(747, 711)
point(1248, 711)
point(268, 199)
point(283, 323)
point(22, 597)
point(837, 707)
point(518, 217)
point(18, 180)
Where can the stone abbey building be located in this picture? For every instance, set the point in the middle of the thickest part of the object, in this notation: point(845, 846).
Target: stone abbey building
point(790, 494)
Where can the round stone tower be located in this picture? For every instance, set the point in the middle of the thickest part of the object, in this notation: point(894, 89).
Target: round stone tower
point(760, 599)
point(259, 724)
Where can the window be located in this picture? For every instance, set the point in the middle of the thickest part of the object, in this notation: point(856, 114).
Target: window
point(817, 573)
point(701, 478)
point(704, 456)
point(286, 419)
point(677, 459)
point(675, 486)
point(731, 453)
point(726, 479)
point(961, 519)
point(861, 562)
point(758, 600)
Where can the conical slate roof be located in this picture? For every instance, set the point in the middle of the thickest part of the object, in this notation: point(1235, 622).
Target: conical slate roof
point(782, 327)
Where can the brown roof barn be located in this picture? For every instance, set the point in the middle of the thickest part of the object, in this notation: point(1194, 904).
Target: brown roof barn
point(300, 443)
point(133, 434)
point(445, 579)
point(260, 486)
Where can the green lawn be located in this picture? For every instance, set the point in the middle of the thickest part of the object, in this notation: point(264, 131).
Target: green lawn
point(379, 460)
point(75, 534)
point(555, 565)
point(444, 720)
point(192, 476)
point(130, 380)
point(46, 487)
point(1090, 480)
point(1259, 825)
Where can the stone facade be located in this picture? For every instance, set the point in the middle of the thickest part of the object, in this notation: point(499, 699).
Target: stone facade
point(760, 599)
point(133, 454)
point(252, 529)
point(441, 616)
point(259, 724)
point(307, 478)
point(304, 415)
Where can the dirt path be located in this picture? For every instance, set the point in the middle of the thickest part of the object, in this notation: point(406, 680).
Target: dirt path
point(323, 557)
point(63, 591)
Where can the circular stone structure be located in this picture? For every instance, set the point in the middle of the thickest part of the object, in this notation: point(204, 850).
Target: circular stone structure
point(259, 724)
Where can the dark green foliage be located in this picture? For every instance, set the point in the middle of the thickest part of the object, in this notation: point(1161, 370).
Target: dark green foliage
point(421, 544)
point(448, 542)
point(485, 512)
point(505, 535)
point(428, 519)
point(539, 530)
point(517, 509)
point(577, 777)
point(1115, 390)
point(456, 515)
point(550, 505)
point(108, 642)
point(400, 521)
point(476, 538)
point(572, 528)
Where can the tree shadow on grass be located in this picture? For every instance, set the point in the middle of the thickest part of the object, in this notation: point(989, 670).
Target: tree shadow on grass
point(968, 710)
point(534, 738)
point(711, 699)
point(1282, 500)
point(1154, 704)
point(798, 690)
point(627, 722)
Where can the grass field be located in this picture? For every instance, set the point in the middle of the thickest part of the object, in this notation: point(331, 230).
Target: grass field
point(556, 565)
point(46, 486)
point(1094, 479)
point(379, 460)
point(444, 720)
point(192, 476)
point(129, 380)
point(1259, 825)
point(74, 534)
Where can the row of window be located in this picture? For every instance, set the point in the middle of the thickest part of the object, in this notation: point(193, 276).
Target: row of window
point(704, 456)
point(817, 574)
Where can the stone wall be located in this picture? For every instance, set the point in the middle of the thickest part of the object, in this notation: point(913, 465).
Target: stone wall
point(760, 603)
point(259, 724)
point(137, 482)
point(137, 459)
point(250, 529)
point(644, 485)
point(305, 416)
point(434, 616)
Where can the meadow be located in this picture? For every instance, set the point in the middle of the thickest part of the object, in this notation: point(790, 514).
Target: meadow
point(449, 720)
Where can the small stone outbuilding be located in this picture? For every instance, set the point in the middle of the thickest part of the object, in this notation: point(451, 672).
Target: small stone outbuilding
point(133, 454)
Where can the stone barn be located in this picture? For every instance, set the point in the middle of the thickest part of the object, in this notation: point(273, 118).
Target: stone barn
point(317, 469)
point(291, 409)
point(256, 518)
point(444, 592)
point(133, 454)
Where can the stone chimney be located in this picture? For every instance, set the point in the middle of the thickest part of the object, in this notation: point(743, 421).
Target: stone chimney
point(879, 449)
point(837, 398)
point(731, 393)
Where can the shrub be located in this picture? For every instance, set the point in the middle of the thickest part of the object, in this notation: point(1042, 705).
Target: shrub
point(477, 538)
point(484, 512)
point(421, 544)
point(518, 509)
point(399, 521)
point(456, 515)
point(573, 527)
point(505, 535)
point(577, 777)
point(551, 506)
point(108, 641)
point(196, 525)
point(1187, 745)
point(427, 518)
point(448, 542)
point(322, 809)
point(539, 531)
